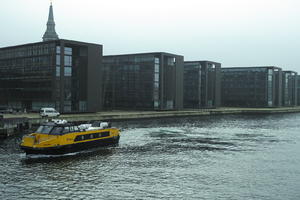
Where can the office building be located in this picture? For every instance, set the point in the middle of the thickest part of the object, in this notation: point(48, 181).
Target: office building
point(289, 88)
point(202, 84)
point(298, 90)
point(58, 73)
point(147, 81)
point(251, 86)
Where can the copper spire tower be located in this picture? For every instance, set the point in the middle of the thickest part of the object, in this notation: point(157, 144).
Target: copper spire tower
point(50, 33)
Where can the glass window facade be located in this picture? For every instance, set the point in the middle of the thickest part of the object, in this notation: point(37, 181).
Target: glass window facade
point(51, 74)
point(26, 76)
point(129, 82)
point(57, 83)
point(68, 51)
point(289, 88)
point(156, 90)
point(270, 88)
point(58, 70)
point(68, 71)
point(140, 81)
point(202, 84)
point(251, 87)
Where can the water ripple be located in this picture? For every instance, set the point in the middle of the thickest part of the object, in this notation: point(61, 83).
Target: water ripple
point(220, 157)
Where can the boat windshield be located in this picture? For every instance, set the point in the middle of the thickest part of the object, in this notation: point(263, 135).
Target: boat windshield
point(51, 130)
point(44, 129)
point(56, 130)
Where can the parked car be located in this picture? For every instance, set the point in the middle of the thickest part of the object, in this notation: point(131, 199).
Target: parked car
point(49, 112)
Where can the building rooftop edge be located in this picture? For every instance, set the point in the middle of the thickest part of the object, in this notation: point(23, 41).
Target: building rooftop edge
point(267, 66)
point(290, 71)
point(202, 61)
point(146, 53)
point(50, 41)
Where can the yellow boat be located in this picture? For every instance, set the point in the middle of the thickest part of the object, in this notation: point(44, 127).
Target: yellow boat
point(60, 137)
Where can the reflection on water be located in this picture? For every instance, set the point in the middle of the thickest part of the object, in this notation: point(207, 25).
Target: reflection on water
point(219, 157)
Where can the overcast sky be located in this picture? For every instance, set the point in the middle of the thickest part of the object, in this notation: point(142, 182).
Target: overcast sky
point(233, 32)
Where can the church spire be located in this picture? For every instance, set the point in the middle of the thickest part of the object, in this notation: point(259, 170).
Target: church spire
point(50, 33)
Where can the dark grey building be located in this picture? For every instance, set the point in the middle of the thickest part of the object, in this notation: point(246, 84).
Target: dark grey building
point(289, 88)
point(202, 84)
point(251, 86)
point(147, 81)
point(58, 73)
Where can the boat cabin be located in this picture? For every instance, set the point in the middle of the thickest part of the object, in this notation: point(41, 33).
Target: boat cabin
point(52, 128)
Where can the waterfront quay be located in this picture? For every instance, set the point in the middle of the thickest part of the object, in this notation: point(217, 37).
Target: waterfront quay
point(12, 122)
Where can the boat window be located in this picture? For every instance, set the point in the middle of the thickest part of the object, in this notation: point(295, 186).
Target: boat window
point(56, 131)
point(96, 135)
point(44, 129)
point(105, 134)
point(66, 130)
point(91, 136)
point(86, 137)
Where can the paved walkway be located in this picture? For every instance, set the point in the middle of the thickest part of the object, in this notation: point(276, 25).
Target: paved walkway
point(118, 115)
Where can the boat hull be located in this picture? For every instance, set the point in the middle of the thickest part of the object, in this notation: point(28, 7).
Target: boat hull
point(58, 150)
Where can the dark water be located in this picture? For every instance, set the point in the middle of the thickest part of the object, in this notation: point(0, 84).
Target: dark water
point(224, 157)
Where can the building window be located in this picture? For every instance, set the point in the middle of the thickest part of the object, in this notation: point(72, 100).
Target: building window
point(57, 71)
point(156, 104)
point(156, 84)
point(170, 104)
point(68, 94)
point(82, 106)
point(270, 87)
point(68, 51)
point(68, 60)
point(68, 71)
point(58, 49)
point(57, 59)
point(156, 60)
point(67, 106)
point(171, 61)
point(156, 68)
point(57, 105)
point(156, 77)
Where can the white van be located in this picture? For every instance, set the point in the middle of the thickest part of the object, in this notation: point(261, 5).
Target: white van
point(49, 112)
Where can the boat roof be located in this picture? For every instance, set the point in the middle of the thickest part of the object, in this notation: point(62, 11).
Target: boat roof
point(57, 124)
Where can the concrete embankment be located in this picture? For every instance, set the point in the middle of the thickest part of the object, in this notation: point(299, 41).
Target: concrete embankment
point(11, 126)
point(12, 122)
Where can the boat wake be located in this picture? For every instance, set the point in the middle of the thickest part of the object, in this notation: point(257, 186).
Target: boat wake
point(102, 151)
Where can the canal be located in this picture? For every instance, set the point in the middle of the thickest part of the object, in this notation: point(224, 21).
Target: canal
point(212, 157)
